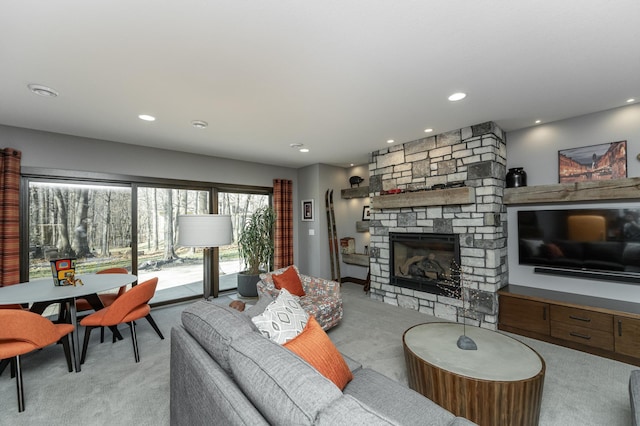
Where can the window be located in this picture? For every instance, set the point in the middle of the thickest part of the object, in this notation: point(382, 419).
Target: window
point(88, 222)
point(113, 221)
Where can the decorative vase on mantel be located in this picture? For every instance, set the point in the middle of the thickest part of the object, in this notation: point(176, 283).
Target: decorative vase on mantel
point(516, 177)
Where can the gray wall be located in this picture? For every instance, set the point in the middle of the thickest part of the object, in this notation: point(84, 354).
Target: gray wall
point(351, 212)
point(51, 150)
point(536, 149)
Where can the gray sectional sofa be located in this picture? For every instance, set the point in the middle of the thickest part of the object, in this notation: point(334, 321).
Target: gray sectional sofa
point(223, 371)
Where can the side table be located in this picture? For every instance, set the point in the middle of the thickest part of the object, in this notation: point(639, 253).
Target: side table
point(500, 383)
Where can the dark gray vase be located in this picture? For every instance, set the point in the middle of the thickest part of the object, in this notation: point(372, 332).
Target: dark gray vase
point(247, 285)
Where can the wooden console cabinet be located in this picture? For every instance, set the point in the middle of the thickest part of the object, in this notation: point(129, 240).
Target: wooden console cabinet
point(603, 327)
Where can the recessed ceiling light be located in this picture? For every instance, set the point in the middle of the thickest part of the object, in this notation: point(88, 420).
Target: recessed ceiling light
point(351, 164)
point(304, 149)
point(390, 141)
point(538, 121)
point(457, 96)
point(199, 124)
point(428, 130)
point(630, 100)
point(146, 117)
point(41, 90)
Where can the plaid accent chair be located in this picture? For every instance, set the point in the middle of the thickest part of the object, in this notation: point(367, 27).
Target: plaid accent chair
point(322, 297)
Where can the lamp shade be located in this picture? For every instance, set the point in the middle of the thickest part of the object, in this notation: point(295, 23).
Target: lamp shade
point(204, 230)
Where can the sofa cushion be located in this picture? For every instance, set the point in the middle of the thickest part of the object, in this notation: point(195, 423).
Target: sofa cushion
point(260, 306)
point(290, 280)
point(395, 401)
point(314, 346)
point(283, 319)
point(346, 409)
point(214, 327)
point(284, 388)
point(267, 277)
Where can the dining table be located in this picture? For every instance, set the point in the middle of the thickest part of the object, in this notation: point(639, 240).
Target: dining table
point(42, 292)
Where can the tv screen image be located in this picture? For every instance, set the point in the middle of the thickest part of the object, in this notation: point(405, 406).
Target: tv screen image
point(600, 243)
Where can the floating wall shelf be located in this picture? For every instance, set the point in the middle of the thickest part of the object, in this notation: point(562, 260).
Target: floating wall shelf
point(617, 189)
point(436, 197)
point(356, 259)
point(358, 192)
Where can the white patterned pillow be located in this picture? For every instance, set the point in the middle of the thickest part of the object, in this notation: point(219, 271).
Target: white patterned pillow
point(283, 319)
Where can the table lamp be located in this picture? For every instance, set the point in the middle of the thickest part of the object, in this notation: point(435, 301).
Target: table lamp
point(208, 231)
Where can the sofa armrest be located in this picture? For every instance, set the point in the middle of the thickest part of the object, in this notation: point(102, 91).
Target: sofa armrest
point(267, 289)
point(634, 397)
point(320, 286)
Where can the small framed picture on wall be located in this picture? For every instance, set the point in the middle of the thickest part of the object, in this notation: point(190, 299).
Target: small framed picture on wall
point(366, 213)
point(307, 211)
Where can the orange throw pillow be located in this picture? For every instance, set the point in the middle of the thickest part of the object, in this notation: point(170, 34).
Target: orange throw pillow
point(314, 346)
point(290, 280)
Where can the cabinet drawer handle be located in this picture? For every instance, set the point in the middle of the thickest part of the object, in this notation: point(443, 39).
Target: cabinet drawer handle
point(544, 313)
point(620, 328)
point(582, 336)
point(573, 317)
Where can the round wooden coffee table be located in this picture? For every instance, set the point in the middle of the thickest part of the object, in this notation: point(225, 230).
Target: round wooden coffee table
point(500, 383)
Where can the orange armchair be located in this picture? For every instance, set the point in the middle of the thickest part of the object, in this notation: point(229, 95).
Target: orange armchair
point(131, 306)
point(22, 332)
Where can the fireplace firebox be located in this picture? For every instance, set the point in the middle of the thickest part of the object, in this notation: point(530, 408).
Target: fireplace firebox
point(425, 262)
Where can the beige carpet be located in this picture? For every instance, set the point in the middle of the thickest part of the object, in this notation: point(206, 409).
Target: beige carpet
point(580, 389)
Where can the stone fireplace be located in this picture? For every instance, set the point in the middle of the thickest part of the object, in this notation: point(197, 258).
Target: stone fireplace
point(423, 261)
point(449, 186)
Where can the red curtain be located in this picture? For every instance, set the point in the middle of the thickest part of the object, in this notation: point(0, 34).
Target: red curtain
point(10, 217)
point(283, 205)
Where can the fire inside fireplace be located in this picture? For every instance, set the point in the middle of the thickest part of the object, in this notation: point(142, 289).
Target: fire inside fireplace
point(425, 262)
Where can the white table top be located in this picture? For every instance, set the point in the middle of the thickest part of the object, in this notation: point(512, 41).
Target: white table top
point(43, 290)
point(498, 357)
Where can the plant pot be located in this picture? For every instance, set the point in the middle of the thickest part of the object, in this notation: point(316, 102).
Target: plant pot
point(247, 285)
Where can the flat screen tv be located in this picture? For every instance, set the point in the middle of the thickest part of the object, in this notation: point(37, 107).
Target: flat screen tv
point(597, 243)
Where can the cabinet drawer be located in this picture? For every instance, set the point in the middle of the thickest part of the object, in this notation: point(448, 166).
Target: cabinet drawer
point(524, 314)
point(584, 335)
point(582, 318)
point(627, 332)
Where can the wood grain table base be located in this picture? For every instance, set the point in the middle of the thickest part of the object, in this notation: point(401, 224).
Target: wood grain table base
point(485, 402)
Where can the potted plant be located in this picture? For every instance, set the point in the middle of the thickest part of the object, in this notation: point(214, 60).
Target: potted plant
point(256, 247)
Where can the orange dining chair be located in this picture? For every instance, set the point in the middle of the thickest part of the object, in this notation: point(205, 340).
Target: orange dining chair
point(22, 332)
point(11, 306)
point(131, 306)
point(106, 298)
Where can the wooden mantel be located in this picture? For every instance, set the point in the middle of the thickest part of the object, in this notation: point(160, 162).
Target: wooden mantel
point(602, 190)
point(436, 197)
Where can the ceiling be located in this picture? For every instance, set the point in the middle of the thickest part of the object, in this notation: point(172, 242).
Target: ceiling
point(339, 76)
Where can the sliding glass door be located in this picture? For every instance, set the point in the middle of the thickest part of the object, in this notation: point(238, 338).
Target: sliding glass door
point(240, 205)
point(109, 221)
point(179, 269)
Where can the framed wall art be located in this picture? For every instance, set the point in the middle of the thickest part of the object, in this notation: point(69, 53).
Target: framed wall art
point(307, 210)
point(595, 162)
point(366, 213)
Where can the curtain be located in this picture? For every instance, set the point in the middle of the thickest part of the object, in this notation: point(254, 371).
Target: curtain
point(10, 217)
point(283, 205)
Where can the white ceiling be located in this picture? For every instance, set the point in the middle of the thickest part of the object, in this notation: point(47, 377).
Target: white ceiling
point(339, 76)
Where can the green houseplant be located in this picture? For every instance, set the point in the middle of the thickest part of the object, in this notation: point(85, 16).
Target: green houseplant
point(256, 247)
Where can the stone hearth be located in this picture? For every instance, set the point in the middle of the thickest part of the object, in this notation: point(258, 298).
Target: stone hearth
point(475, 155)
